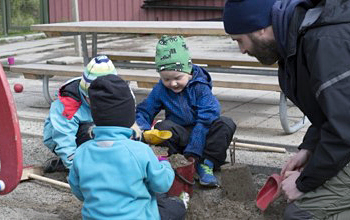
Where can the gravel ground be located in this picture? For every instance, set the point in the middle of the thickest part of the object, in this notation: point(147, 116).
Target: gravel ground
point(35, 199)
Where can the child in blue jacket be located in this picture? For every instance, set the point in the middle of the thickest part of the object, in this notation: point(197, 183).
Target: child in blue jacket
point(116, 177)
point(192, 112)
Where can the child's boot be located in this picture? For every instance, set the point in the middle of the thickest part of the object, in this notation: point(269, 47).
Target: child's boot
point(206, 175)
point(54, 164)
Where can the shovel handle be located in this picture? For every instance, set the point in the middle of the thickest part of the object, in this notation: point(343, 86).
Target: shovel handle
point(259, 147)
point(48, 180)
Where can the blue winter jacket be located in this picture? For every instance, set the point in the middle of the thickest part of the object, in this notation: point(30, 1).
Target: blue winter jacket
point(117, 177)
point(65, 116)
point(194, 106)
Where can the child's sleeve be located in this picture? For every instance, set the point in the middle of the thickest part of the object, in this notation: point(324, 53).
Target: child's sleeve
point(63, 133)
point(147, 110)
point(208, 110)
point(159, 174)
point(73, 181)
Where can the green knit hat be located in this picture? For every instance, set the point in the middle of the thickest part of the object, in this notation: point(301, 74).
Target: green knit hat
point(173, 54)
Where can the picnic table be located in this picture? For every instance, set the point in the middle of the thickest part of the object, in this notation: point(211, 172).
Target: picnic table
point(185, 28)
point(94, 28)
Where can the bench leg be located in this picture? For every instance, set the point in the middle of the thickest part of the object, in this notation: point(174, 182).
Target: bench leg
point(46, 91)
point(284, 117)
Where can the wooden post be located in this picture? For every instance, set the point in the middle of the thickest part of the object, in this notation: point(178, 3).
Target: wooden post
point(75, 17)
point(4, 17)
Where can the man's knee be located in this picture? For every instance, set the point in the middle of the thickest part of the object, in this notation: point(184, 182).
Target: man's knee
point(293, 212)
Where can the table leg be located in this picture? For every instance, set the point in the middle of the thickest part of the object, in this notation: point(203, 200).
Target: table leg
point(284, 117)
point(84, 49)
point(94, 45)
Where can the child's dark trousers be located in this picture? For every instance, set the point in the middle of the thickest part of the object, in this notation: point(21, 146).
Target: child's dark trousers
point(217, 141)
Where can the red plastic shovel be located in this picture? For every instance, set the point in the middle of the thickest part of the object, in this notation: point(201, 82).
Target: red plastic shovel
point(269, 192)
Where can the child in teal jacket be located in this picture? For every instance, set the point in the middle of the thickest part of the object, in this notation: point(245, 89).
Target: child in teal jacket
point(69, 119)
point(116, 177)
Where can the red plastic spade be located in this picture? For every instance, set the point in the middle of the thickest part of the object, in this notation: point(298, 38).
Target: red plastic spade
point(269, 192)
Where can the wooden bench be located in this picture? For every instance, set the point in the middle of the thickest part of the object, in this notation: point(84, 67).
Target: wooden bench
point(197, 59)
point(147, 78)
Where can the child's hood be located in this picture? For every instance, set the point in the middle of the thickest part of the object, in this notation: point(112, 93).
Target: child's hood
point(71, 97)
point(200, 75)
point(71, 89)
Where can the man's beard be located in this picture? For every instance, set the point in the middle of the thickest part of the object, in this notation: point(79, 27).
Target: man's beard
point(265, 51)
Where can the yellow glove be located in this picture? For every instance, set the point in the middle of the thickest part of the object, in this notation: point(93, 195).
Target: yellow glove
point(156, 136)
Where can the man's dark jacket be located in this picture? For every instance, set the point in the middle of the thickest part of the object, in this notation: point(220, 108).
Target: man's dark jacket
point(315, 75)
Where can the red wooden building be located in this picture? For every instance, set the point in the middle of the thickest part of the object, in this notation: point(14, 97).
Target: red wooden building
point(137, 10)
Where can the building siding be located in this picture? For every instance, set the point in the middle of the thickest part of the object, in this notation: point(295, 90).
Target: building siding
point(130, 10)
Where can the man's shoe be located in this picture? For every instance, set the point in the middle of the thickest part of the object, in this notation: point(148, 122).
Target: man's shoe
point(206, 175)
point(54, 164)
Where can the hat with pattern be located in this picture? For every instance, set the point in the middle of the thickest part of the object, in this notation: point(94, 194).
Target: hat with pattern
point(98, 66)
point(172, 54)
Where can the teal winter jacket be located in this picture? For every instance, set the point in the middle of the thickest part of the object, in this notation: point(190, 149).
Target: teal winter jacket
point(66, 114)
point(117, 178)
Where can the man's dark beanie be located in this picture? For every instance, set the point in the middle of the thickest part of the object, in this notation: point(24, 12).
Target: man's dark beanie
point(247, 16)
point(111, 101)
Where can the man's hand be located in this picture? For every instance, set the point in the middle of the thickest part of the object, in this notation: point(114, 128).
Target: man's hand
point(288, 186)
point(296, 162)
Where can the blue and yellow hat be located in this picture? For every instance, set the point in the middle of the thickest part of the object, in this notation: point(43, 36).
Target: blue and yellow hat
point(98, 66)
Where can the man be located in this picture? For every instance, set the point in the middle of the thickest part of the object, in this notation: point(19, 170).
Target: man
point(311, 42)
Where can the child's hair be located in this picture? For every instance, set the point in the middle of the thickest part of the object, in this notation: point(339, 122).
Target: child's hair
point(112, 102)
point(172, 54)
point(98, 66)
